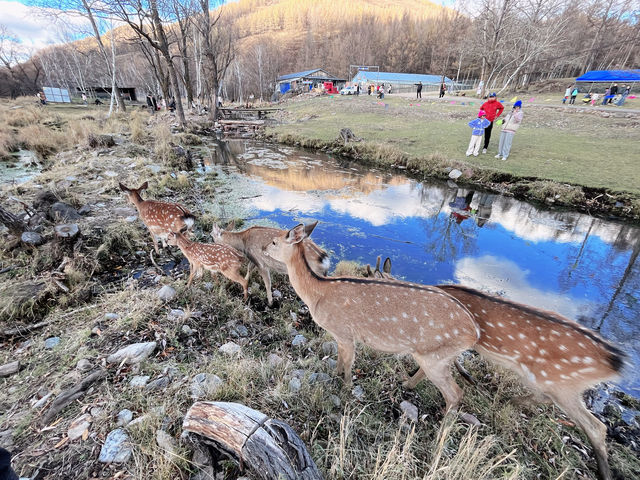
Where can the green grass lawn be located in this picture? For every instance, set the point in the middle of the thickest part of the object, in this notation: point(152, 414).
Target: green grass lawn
point(584, 149)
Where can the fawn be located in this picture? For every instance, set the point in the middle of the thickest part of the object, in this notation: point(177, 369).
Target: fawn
point(387, 315)
point(252, 241)
point(377, 273)
point(215, 258)
point(161, 218)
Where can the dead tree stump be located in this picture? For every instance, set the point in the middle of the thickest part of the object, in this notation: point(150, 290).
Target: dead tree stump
point(268, 447)
point(66, 231)
point(346, 136)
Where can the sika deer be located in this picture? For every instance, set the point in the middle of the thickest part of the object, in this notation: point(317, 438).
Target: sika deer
point(161, 218)
point(554, 356)
point(386, 269)
point(252, 241)
point(215, 258)
point(387, 315)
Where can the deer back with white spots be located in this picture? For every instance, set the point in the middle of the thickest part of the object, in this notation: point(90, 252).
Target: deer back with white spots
point(161, 218)
point(387, 315)
point(212, 257)
point(252, 242)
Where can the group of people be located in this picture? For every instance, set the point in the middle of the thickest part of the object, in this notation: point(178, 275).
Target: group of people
point(378, 90)
point(152, 104)
point(483, 126)
point(442, 90)
point(613, 95)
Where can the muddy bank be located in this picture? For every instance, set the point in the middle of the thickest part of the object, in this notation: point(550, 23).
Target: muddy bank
point(593, 201)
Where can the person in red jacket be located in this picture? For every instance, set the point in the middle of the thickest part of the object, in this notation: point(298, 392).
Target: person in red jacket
point(493, 109)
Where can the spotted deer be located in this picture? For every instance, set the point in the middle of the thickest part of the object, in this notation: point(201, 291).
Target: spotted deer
point(161, 218)
point(252, 241)
point(387, 315)
point(212, 257)
point(554, 356)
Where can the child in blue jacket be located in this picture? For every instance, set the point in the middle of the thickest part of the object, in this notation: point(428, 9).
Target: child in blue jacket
point(478, 125)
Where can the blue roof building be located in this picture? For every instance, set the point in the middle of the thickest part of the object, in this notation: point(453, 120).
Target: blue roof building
point(306, 80)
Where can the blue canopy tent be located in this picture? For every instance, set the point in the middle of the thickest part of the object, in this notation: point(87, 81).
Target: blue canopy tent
point(610, 76)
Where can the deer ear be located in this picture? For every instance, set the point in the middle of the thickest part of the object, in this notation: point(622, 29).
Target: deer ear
point(231, 225)
point(215, 230)
point(296, 234)
point(309, 228)
point(144, 186)
point(369, 272)
point(122, 187)
point(184, 229)
point(386, 267)
point(378, 263)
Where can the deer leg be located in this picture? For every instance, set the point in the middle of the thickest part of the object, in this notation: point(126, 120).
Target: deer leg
point(573, 405)
point(266, 278)
point(412, 382)
point(193, 269)
point(235, 276)
point(155, 243)
point(346, 355)
point(249, 270)
point(439, 372)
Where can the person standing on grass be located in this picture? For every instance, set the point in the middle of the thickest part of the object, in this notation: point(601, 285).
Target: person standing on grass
point(478, 128)
point(510, 124)
point(574, 94)
point(567, 94)
point(625, 93)
point(606, 98)
point(419, 90)
point(493, 109)
point(443, 88)
point(614, 92)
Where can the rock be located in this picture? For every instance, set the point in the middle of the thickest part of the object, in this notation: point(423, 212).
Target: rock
point(298, 341)
point(410, 410)
point(358, 392)
point(40, 403)
point(241, 331)
point(67, 230)
point(32, 238)
point(124, 211)
point(230, 348)
point(85, 209)
point(51, 342)
point(188, 331)
point(134, 353)
point(124, 417)
point(110, 173)
point(131, 219)
point(63, 211)
point(205, 384)
point(455, 174)
point(166, 442)
point(111, 316)
point(330, 348)
point(6, 439)
point(208, 286)
point(298, 373)
point(470, 419)
point(274, 360)
point(166, 293)
point(159, 384)
point(175, 314)
point(335, 400)
point(319, 378)
point(84, 365)
point(96, 331)
point(78, 427)
point(332, 363)
point(9, 368)
point(276, 294)
point(116, 448)
point(295, 384)
point(294, 316)
point(139, 381)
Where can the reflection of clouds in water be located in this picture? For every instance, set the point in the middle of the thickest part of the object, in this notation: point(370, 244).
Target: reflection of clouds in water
point(273, 199)
point(492, 274)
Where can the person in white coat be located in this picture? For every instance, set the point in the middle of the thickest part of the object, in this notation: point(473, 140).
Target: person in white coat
point(510, 125)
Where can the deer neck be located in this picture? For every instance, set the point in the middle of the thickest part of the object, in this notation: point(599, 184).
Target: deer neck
point(137, 200)
point(309, 287)
point(234, 240)
point(183, 243)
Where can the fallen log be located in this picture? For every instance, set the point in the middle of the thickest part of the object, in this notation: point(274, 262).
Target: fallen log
point(268, 447)
point(9, 369)
point(71, 394)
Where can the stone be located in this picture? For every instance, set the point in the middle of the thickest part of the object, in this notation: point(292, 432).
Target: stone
point(78, 427)
point(295, 385)
point(241, 331)
point(124, 417)
point(32, 238)
point(205, 384)
point(116, 448)
point(175, 314)
point(455, 174)
point(358, 392)
point(111, 316)
point(330, 348)
point(9, 368)
point(187, 330)
point(319, 378)
point(84, 365)
point(166, 293)
point(40, 403)
point(410, 410)
point(230, 348)
point(294, 316)
point(335, 400)
point(131, 218)
point(166, 442)
point(159, 384)
point(332, 363)
point(67, 231)
point(139, 381)
point(51, 342)
point(134, 353)
point(470, 419)
point(274, 360)
point(85, 209)
point(63, 211)
point(110, 173)
point(298, 341)
point(276, 294)
point(124, 211)
point(298, 373)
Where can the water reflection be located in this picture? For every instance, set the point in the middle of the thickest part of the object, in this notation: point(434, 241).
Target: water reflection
point(582, 267)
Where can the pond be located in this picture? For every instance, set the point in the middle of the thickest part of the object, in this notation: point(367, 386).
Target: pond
point(21, 167)
point(434, 232)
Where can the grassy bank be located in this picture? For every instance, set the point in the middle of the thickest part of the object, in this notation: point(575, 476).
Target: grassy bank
point(110, 271)
point(563, 156)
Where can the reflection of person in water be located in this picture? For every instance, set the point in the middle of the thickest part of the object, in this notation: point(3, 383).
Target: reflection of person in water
point(484, 208)
point(461, 206)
